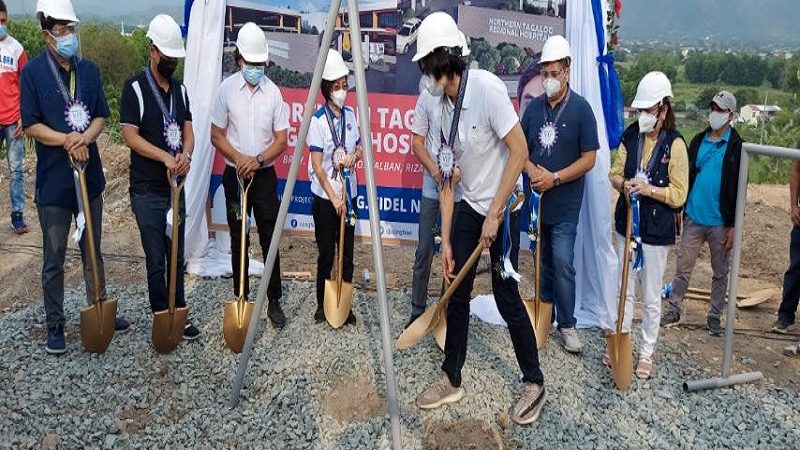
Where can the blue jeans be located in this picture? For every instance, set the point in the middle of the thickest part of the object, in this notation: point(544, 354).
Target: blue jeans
point(791, 281)
point(16, 164)
point(558, 270)
point(150, 209)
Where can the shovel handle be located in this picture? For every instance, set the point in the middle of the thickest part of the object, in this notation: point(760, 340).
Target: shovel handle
point(244, 189)
point(80, 169)
point(537, 260)
point(626, 266)
point(175, 187)
point(340, 265)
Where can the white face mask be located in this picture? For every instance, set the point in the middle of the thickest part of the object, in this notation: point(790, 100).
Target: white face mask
point(647, 122)
point(717, 119)
point(338, 97)
point(551, 87)
point(433, 88)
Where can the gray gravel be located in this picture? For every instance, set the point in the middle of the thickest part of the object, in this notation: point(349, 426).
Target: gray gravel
point(131, 397)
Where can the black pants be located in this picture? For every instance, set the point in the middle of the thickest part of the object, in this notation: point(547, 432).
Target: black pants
point(791, 281)
point(262, 200)
point(326, 232)
point(465, 238)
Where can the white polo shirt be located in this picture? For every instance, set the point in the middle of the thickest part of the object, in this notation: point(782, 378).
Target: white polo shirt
point(320, 139)
point(250, 118)
point(487, 116)
point(428, 123)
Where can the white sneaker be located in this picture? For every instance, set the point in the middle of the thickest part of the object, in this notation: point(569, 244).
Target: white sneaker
point(570, 341)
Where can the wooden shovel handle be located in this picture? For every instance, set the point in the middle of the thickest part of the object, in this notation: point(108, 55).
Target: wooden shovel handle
point(626, 266)
point(341, 241)
point(175, 188)
point(244, 188)
point(80, 168)
point(537, 260)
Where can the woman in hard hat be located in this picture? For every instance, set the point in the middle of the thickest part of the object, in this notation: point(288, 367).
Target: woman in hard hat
point(249, 126)
point(335, 147)
point(479, 137)
point(651, 163)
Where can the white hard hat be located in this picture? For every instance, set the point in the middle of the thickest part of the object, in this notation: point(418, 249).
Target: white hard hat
point(555, 48)
point(166, 36)
point(651, 90)
point(334, 66)
point(439, 30)
point(252, 43)
point(57, 9)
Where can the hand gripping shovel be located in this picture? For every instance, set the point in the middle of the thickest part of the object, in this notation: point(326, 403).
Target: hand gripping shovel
point(168, 325)
point(237, 311)
point(435, 317)
point(97, 320)
point(539, 312)
point(619, 344)
point(338, 293)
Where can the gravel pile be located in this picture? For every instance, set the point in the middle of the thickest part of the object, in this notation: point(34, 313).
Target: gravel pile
point(310, 387)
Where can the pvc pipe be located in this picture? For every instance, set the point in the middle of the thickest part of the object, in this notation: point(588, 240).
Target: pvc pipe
point(316, 81)
point(374, 221)
point(714, 383)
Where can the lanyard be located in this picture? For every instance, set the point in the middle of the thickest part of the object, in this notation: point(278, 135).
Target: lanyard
point(168, 114)
point(648, 169)
point(338, 141)
point(636, 244)
point(462, 89)
point(560, 107)
point(68, 96)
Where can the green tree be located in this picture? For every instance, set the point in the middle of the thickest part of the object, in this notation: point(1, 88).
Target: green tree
point(705, 96)
point(489, 59)
point(746, 96)
point(110, 51)
point(29, 34)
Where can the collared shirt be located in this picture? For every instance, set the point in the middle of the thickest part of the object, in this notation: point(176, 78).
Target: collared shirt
point(703, 205)
point(320, 139)
point(428, 122)
point(576, 133)
point(675, 192)
point(139, 108)
point(12, 60)
point(41, 102)
point(251, 118)
point(487, 116)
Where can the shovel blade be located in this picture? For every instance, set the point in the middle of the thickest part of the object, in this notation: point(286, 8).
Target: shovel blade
point(440, 330)
point(97, 325)
point(622, 361)
point(168, 329)
point(412, 335)
point(540, 322)
point(235, 321)
point(336, 303)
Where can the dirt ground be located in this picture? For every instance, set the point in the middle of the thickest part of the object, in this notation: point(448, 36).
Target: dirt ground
point(764, 260)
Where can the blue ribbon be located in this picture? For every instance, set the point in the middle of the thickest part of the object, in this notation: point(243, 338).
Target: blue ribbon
point(351, 212)
point(533, 227)
point(666, 292)
point(636, 244)
point(610, 89)
point(507, 270)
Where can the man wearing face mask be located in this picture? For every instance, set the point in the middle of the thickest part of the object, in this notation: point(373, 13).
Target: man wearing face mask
point(562, 141)
point(157, 127)
point(249, 124)
point(64, 109)
point(651, 162)
point(714, 157)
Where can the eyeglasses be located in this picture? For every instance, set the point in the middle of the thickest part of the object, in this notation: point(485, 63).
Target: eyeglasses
point(552, 73)
point(61, 31)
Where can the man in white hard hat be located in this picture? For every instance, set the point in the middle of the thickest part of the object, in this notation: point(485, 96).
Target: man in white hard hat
point(334, 147)
point(480, 141)
point(157, 127)
point(64, 110)
point(249, 124)
point(561, 131)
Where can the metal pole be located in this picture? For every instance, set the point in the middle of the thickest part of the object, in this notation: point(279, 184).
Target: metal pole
point(714, 383)
point(374, 220)
point(316, 81)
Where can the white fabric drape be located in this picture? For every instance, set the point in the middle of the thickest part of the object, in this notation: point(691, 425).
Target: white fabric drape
point(595, 260)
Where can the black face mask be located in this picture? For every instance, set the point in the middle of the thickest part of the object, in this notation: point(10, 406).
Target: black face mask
point(166, 67)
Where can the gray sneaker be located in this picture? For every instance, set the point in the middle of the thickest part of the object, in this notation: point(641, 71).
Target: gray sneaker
point(530, 404)
point(440, 393)
point(792, 351)
point(570, 341)
point(780, 327)
point(714, 326)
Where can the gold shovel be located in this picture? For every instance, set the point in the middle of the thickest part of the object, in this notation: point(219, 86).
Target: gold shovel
point(338, 293)
point(619, 344)
point(168, 325)
point(539, 312)
point(97, 320)
point(435, 317)
point(237, 311)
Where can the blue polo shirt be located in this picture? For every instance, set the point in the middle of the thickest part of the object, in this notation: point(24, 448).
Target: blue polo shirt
point(703, 204)
point(41, 102)
point(576, 133)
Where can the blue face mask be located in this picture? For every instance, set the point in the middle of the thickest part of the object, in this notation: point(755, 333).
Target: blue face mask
point(253, 74)
point(3, 32)
point(67, 46)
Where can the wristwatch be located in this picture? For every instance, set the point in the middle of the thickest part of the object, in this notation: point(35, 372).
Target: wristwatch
point(260, 159)
point(556, 179)
point(652, 192)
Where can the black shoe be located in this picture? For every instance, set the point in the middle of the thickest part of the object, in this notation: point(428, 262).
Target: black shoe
point(121, 325)
point(780, 327)
point(714, 327)
point(351, 319)
point(319, 314)
point(670, 318)
point(275, 313)
point(190, 332)
point(56, 344)
point(412, 319)
point(18, 224)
